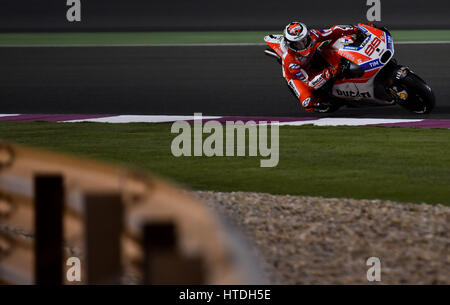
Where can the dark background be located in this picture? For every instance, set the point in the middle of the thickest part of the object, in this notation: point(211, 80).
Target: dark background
point(185, 15)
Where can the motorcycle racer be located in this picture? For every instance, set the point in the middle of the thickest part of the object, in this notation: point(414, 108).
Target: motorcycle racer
point(299, 46)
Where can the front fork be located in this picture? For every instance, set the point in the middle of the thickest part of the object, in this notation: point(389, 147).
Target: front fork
point(396, 91)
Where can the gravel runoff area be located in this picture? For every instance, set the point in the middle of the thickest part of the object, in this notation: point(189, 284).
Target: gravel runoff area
point(313, 240)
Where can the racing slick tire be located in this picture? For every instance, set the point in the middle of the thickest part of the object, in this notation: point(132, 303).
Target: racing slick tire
point(421, 99)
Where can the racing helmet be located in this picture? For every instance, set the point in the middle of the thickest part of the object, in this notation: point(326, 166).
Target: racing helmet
point(297, 37)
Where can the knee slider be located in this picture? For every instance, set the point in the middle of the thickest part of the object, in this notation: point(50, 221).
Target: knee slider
point(307, 102)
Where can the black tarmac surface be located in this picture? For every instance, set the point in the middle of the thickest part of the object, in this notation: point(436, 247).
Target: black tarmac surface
point(232, 80)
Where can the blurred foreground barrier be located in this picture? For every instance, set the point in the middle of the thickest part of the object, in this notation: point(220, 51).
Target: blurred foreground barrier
point(65, 220)
point(48, 228)
point(163, 263)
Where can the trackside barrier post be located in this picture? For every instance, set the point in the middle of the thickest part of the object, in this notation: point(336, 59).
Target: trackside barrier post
point(110, 219)
point(48, 225)
point(164, 264)
point(103, 227)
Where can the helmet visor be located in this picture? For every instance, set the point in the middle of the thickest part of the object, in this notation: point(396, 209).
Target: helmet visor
point(301, 45)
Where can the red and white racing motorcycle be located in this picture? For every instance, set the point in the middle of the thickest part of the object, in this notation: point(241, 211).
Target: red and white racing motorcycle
point(371, 76)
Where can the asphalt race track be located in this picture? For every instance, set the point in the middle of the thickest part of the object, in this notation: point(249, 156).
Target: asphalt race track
point(214, 80)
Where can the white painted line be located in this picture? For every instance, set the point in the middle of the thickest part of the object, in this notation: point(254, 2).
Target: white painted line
point(314, 121)
point(179, 45)
point(359, 122)
point(300, 122)
point(348, 122)
point(142, 119)
point(5, 115)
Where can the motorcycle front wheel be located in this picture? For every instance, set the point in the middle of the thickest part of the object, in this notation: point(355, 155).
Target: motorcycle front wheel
point(420, 98)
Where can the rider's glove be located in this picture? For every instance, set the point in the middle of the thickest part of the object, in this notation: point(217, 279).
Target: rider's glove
point(333, 70)
point(320, 79)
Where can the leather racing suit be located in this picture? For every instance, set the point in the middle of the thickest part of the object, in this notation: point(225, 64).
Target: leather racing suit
point(297, 70)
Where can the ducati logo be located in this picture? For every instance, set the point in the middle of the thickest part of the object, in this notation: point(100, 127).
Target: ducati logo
point(352, 93)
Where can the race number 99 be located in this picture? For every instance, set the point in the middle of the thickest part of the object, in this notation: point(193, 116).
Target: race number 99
point(371, 48)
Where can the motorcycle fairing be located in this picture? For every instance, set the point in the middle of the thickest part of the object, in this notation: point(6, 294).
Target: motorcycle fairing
point(359, 89)
point(369, 56)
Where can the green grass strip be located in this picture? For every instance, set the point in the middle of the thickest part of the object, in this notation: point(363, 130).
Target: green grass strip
point(402, 164)
point(178, 37)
